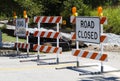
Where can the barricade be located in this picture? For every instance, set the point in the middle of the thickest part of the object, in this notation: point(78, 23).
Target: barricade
point(89, 54)
point(47, 34)
point(26, 45)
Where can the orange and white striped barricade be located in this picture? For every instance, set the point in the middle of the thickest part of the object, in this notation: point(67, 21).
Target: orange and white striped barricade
point(103, 38)
point(47, 34)
point(89, 55)
point(47, 49)
point(72, 19)
point(22, 46)
point(47, 19)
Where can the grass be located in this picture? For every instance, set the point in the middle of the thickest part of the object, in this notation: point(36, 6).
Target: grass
point(7, 38)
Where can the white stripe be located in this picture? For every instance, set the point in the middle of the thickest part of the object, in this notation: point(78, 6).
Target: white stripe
point(20, 45)
point(52, 49)
point(38, 48)
point(98, 56)
point(73, 51)
point(59, 50)
point(48, 18)
point(89, 54)
point(24, 45)
point(60, 20)
point(52, 35)
point(59, 35)
point(81, 53)
point(35, 19)
point(45, 34)
point(39, 33)
point(45, 48)
point(54, 19)
point(41, 18)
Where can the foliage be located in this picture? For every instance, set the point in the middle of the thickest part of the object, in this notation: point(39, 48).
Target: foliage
point(82, 9)
point(113, 18)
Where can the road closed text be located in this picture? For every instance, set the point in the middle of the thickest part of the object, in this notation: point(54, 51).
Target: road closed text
point(87, 34)
point(88, 29)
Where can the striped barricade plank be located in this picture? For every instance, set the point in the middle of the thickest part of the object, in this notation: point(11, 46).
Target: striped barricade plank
point(90, 55)
point(47, 49)
point(103, 20)
point(27, 33)
point(72, 19)
point(73, 36)
point(48, 19)
point(47, 34)
point(26, 20)
point(103, 38)
point(22, 45)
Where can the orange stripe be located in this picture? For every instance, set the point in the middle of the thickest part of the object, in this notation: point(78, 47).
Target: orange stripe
point(58, 19)
point(51, 19)
point(56, 35)
point(35, 33)
point(42, 34)
point(18, 45)
point(27, 33)
point(55, 50)
point(94, 55)
point(74, 20)
point(103, 57)
point(41, 48)
point(49, 34)
point(76, 52)
point(102, 20)
point(44, 19)
point(26, 20)
point(22, 45)
point(37, 19)
point(85, 54)
point(15, 45)
point(74, 36)
point(102, 38)
point(48, 49)
point(35, 46)
point(26, 46)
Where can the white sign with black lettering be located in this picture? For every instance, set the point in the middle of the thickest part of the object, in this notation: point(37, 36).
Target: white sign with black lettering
point(20, 27)
point(88, 29)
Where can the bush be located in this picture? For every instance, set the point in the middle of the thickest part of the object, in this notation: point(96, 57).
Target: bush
point(113, 19)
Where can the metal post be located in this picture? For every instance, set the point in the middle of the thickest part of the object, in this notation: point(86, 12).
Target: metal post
point(77, 46)
point(57, 43)
point(17, 45)
point(38, 55)
point(101, 46)
point(27, 39)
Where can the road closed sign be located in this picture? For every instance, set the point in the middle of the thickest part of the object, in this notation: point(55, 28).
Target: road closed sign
point(88, 29)
point(20, 27)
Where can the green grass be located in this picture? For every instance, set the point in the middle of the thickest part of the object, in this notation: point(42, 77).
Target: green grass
point(7, 38)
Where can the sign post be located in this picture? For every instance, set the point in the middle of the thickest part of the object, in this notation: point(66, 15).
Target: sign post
point(88, 29)
point(20, 30)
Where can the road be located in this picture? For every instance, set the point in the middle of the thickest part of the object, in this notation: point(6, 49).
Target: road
point(11, 69)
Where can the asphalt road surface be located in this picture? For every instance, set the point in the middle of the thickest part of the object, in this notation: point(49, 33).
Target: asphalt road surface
point(11, 69)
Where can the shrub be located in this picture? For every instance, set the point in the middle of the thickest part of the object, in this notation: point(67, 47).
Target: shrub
point(113, 19)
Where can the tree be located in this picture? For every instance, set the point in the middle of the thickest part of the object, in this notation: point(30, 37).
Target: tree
point(82, 9)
